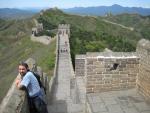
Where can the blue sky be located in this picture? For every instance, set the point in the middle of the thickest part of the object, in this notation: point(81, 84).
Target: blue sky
point(71, 3)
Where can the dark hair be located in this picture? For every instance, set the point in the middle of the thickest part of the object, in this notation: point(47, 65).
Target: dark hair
point(24, 64)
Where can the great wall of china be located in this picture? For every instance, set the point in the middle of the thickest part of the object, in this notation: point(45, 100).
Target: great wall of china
point(103, 82)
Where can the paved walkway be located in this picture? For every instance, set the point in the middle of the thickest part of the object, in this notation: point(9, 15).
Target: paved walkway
point(62, 101)
point(125, 101)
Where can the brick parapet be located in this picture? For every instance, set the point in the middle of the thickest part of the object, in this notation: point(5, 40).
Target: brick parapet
point(115, 71)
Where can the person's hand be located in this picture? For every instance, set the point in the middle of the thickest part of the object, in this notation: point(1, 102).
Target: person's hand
point(17, 82)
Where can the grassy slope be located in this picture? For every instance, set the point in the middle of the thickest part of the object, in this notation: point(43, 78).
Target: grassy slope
point(21, 51)
point(13, 30)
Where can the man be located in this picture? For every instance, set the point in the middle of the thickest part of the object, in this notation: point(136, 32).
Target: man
point(30, 83)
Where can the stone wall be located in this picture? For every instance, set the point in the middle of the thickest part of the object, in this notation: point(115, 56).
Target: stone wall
point(15, 101)
point(53, 80)
point(143, 81)
point(108, 71)
point(80, 65)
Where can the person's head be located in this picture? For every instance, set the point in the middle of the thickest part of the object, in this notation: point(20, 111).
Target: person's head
point(23, 68)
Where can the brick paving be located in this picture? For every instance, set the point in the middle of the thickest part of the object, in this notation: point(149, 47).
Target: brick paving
point(124, 101)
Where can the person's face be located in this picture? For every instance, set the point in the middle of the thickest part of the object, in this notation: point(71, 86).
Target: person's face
point(22, 70)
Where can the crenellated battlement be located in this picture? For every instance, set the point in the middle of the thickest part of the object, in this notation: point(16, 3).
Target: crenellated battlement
point(64, 29)
point(64, 26)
